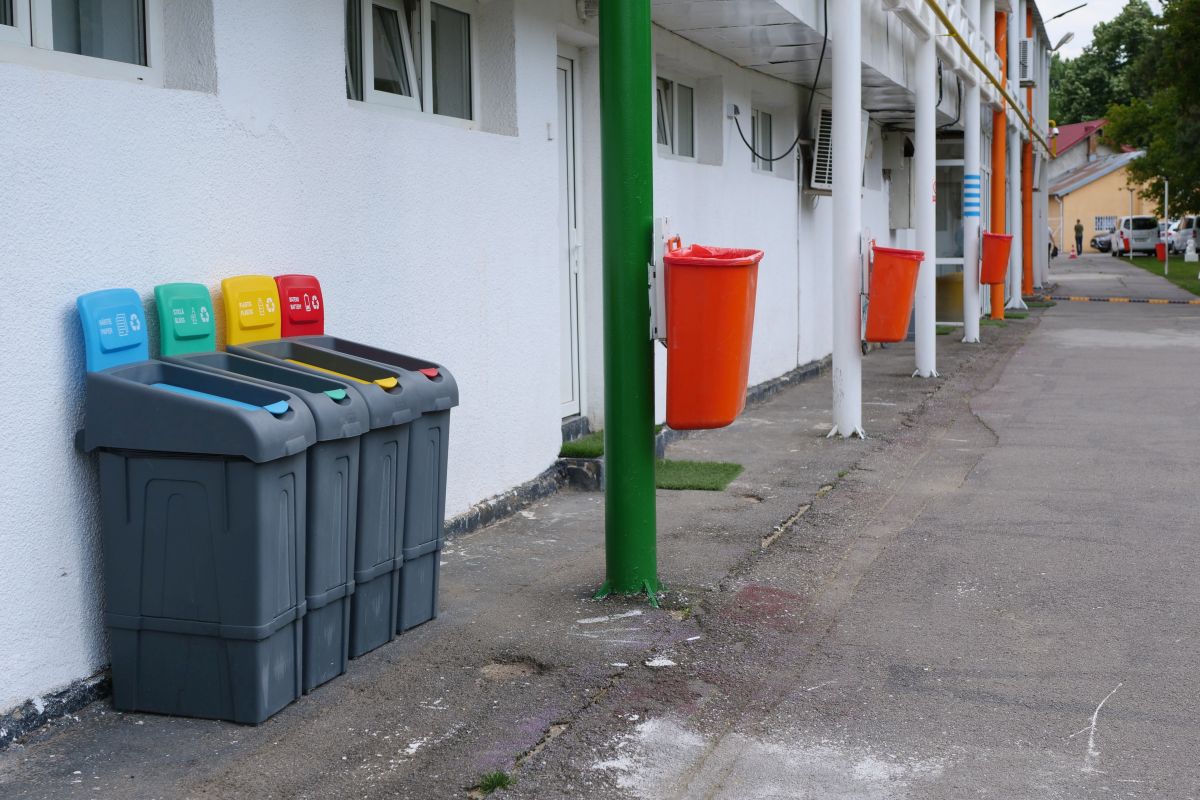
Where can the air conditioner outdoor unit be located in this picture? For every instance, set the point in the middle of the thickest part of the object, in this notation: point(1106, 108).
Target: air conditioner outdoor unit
point(1025, 59)
point(821, 175)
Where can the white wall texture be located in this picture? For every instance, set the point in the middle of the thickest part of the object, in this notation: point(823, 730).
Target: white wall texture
point(428, 238)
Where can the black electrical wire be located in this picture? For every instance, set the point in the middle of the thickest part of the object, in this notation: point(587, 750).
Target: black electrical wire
point(808, 112)
point(958, 110)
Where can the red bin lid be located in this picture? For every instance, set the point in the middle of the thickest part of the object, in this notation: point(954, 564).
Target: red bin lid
point(914, 255)
point(698, 255)
point(303, 305)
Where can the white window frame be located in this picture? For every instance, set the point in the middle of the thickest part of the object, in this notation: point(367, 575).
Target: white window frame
point(671, 148)
point(17, 34)
point(413, 39)
point(369, 92)
point(1096, 227)
point(761, 165)
point(31, 42)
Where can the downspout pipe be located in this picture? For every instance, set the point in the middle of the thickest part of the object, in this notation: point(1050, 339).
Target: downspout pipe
point(847, 221)
point(627, 202)
point(999, 220)
point(1027, 180)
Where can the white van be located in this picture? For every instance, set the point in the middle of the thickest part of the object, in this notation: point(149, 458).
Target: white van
point(1135, 234)
point(1182, 232)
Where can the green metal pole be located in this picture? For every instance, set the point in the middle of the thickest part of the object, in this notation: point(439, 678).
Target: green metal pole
point(627, 186)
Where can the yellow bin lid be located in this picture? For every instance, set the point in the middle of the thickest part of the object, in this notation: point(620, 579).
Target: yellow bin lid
point(251, 309)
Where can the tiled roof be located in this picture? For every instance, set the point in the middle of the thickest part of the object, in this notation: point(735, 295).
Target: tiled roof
point(1073, 134)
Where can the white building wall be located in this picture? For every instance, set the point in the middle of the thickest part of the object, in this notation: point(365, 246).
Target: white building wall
point(429, 238)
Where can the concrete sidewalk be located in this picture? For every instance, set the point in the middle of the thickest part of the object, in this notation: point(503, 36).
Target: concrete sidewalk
point(520, 652)
point(1101, 275)
point(936, 612)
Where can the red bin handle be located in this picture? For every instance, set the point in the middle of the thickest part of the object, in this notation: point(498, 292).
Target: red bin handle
point(673, 244)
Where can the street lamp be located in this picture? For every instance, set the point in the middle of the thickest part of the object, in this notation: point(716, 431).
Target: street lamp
point(1068, 11)
point(1129, 238)
point(1068, 37)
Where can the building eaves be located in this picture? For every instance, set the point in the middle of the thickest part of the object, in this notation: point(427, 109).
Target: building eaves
point(1079, 177)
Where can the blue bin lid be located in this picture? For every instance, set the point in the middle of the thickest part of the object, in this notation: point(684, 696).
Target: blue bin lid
point(114, 328)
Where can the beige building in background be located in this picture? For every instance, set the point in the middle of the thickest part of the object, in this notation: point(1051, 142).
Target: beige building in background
point(1089, 182)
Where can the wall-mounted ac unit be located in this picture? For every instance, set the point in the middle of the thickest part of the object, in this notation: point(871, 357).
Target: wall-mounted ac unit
point(820, 176)
point(1026, 75)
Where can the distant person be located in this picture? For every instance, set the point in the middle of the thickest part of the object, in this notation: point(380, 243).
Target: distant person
point(1078, 237)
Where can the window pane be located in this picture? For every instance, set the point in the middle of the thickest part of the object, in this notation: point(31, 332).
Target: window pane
point(391, 70)
point(665, 123)
point(762, 144)
point(6, 13)
point(111, 29)
point(685, 142)
point(354, 49)
point(949, 212)
point(450, 39)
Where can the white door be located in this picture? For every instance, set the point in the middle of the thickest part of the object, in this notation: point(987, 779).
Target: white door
point(569, 250)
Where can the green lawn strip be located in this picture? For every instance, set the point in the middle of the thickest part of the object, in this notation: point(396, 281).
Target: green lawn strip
point(1015, 315)
point(942, 330)
point(711, 476)
point(1181, 273)
point(590, 446)
point(995, 323)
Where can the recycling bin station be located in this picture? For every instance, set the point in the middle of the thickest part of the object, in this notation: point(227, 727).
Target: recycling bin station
point(402, 506)
point(892, 289)
point(188, 336)
point(710, 295)
point(203, 479)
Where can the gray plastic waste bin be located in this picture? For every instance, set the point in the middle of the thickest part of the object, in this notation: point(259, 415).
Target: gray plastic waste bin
point(425, 510)
point(202, 487)
point(392, 403)
point(187, 329)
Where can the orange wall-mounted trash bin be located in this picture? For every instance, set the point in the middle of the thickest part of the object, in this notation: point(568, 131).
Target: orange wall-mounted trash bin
point(710, 317)
point(996, 247)
point(893, 283)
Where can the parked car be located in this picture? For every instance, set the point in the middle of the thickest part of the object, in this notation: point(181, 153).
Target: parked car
point(1102, 241)
point(1182, 232)
point(1137, 234)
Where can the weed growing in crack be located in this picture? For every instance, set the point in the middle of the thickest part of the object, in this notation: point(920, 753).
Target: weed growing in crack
point(495, 780)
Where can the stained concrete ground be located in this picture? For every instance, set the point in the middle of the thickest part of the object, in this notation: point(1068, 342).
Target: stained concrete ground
point(993, 596)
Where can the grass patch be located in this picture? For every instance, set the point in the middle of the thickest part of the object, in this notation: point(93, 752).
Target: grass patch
point(495, 780)
point(942, 330)
point(995, 323)
point(1016, 315)
point(590, 446)
point(1040, 303)
point(710, 476)
point(1181, 273)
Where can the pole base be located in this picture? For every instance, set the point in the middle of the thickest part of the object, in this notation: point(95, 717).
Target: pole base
point(835, 431)
point(648, 588)
point(933, 373)
point(968, 340)
point(1017, 303)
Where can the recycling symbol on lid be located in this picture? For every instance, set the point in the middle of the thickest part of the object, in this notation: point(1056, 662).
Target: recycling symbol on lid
point(135, 322)
point(270, 305)
point(204, 316)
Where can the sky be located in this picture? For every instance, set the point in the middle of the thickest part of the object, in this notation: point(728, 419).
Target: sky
point(1081, 21)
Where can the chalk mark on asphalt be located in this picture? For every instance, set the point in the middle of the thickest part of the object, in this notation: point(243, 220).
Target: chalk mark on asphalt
point(1092, 753)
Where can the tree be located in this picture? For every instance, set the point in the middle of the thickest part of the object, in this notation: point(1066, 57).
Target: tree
point(1165, 121)
point(1111, 69)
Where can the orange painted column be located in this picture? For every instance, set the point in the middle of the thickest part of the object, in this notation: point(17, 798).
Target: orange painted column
point(999, 221)
point(1027, 188)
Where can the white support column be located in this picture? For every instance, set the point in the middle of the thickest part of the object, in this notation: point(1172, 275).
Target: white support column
point(1016, 28)
point(847, 221)
point(972, 196)
point(925, 213)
